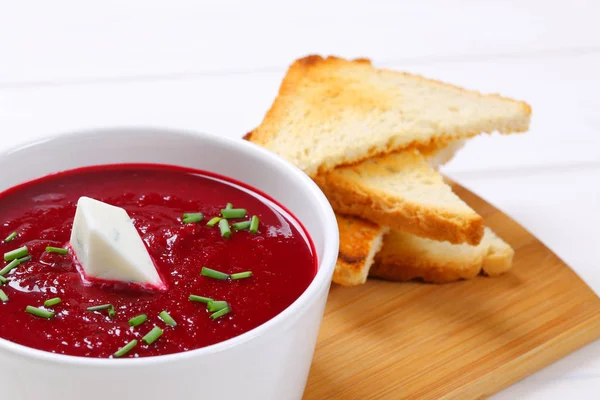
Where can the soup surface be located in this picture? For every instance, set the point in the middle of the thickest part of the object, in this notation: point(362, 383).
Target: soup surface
point(280, 257)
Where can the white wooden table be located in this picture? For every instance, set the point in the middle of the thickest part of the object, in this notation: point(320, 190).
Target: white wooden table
point(216, 66)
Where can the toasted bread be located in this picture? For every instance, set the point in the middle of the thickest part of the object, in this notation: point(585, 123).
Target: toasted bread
point(498, 259)
point(331, 112)
point(359, 242)
point(401, 190)
point(406, 257)
point(443, 154)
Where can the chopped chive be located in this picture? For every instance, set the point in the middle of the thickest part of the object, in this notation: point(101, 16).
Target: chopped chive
point(3, 296)
point(192, 217)
point(167, 319)
point(241, 275)
point(39, 312)
point(229, 206)
point(16, 253)
point(233, 212)
point(254, 224)
point(224, 227)
point(9, 267)
point(52, 302)
point(3, 280)
point(213, 221)
point(100, 307)
point(10, 237)
point(153, 335)
point(238, 226)
point(58, 250)
point(126, 349)
point(140, 319)
point(216, 305)
point(212, 273)
point(24, 259)
point(200, 299)
point(111, 312)
point(221, 312)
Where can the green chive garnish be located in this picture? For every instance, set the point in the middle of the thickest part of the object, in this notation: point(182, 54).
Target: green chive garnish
point(229, 206)
point(3, 280)
point(10, 237)
point(9, 267)
point(167, 319)
point(24, 259)
point(212, 273)
point(238, 226)
point(39, 312)
point(111, 312)
point(224, 227)
point(58, 250)
point(3, 296)
point(216, 305)
point(140, 319)
point(241, 275)
point(154, 334)
point(16, 253)
point(254, 224)
point(213, 221)
point(192, 217)
point(221, 312)
point(200, 299)
point(126, 349)
point(233, 212)
point(100, 307)
point(52, 302)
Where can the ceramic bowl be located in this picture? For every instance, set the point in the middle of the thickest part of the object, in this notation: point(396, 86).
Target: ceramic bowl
point(269, 362)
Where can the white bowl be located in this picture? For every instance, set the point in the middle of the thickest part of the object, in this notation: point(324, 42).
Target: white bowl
point(269, 362)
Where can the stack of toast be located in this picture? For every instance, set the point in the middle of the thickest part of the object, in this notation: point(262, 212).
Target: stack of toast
point(373, 139)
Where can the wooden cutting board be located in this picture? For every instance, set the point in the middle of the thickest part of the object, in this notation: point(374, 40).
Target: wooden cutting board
point(465, 340)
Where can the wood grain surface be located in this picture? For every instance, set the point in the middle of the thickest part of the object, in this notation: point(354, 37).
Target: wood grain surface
point(465, 340)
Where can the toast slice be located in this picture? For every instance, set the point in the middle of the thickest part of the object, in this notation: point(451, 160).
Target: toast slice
point(331, 112)
point(402, 190)
point(359, 242)
point(442, 155)
point(406, 257)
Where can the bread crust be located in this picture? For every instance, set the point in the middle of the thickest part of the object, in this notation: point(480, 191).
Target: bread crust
point(413, 269)
point(360, 240)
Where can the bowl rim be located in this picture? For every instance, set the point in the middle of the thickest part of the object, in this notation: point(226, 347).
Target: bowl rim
point(320, 282)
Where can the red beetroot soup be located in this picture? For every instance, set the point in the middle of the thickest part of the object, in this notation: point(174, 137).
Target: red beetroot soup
point(280, 257)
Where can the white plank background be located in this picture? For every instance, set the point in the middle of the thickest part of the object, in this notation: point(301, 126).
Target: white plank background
point(216, 66)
